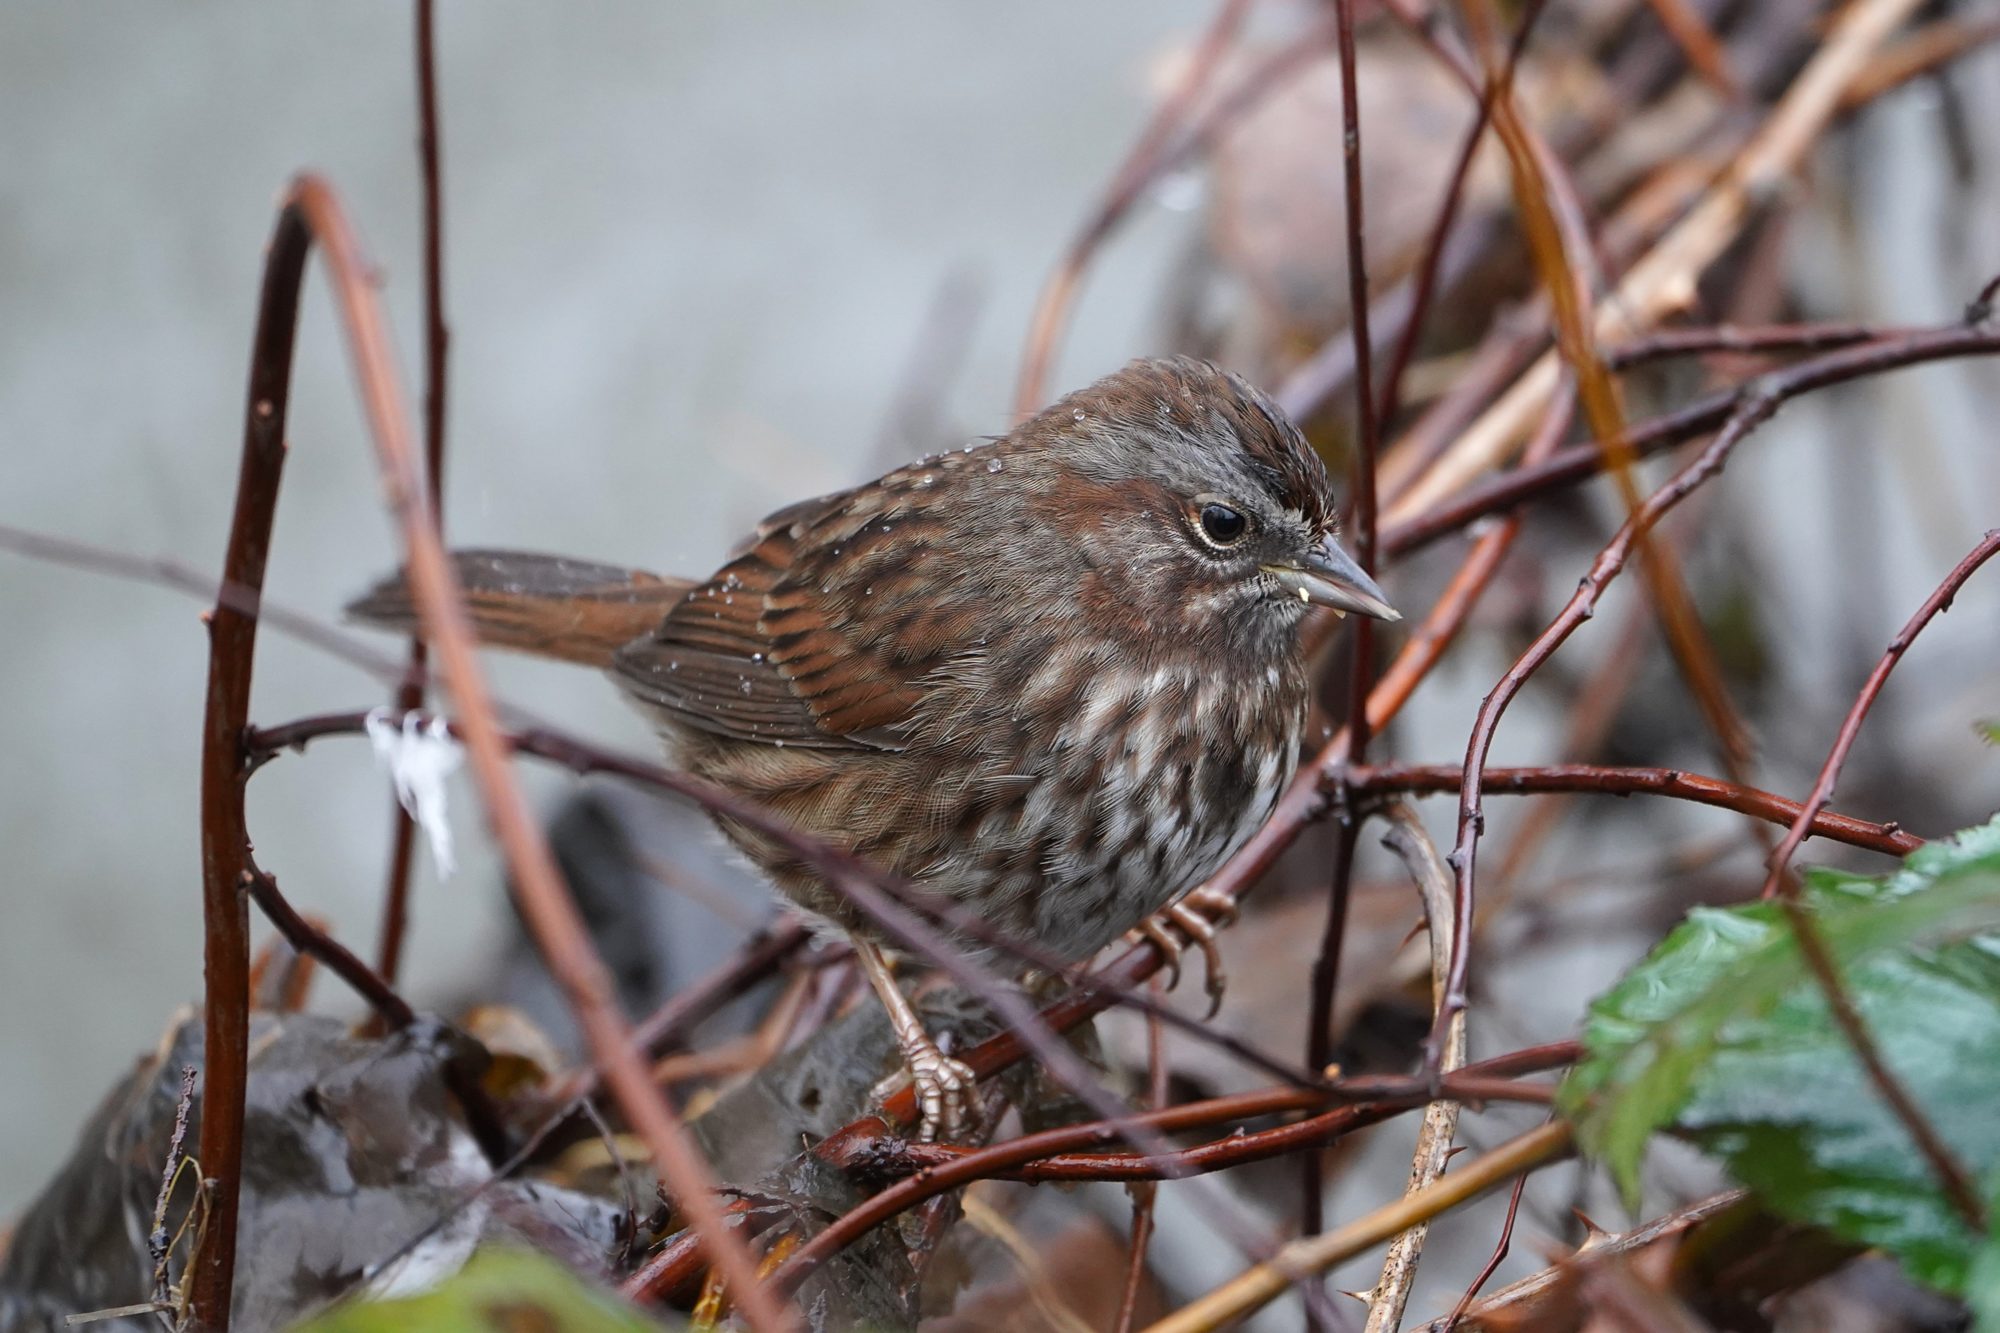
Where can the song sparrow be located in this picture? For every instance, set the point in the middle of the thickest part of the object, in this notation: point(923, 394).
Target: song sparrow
point(1054, 677)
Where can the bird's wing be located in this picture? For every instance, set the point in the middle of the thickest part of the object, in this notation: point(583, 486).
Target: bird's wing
point(773, 649)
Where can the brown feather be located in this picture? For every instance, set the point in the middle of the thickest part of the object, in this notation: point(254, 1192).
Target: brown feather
point(766, 650)
point(570, 610)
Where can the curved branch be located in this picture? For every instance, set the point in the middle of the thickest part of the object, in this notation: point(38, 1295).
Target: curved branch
point(1889, 839)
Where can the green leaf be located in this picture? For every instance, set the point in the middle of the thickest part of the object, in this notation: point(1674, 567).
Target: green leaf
point(498, 1291)
point(1982, 1289)
point(1723, 1031)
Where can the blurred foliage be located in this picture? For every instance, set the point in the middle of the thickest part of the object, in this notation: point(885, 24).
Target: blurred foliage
point(1982, 1290)
point(1723, 1033)
point(498, 1291)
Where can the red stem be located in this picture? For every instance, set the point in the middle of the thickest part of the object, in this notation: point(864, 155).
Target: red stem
point(437, 337)
point(948, 1168)
point(1950, 1172)
point(225, 836)
point(1888, 839)
point(1361, 674)
point(1803, 824)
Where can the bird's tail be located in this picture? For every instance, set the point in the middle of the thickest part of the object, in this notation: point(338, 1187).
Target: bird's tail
point(571, 610)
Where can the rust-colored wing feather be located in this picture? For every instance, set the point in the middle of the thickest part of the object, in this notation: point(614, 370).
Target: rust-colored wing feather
point(770, 649)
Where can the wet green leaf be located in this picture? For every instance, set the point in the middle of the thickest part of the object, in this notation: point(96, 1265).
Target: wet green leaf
point(1723, 1032)
point(498, 1291)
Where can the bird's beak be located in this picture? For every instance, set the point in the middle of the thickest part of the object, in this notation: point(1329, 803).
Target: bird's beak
point(1329, 577)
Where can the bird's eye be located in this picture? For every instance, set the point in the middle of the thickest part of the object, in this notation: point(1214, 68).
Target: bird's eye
point(1221, 525)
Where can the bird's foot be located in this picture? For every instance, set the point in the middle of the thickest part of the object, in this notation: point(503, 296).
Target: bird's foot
point(947, 1092)
point(1197, 916)
point(947, 1095)
point(947, 1089)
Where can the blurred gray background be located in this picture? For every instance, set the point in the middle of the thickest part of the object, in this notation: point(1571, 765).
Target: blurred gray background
point(693, 251)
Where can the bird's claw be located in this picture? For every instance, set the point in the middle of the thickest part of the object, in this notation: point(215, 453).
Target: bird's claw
point(946, 1092)
point(1154, 928)
point(1196, 916)
point(947, 1096)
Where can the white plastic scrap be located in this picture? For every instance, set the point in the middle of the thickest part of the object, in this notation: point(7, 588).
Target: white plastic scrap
point(419, 757)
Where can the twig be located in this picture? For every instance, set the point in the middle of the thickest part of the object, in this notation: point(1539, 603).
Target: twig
point(1144, 1193)
point(184, 578)
point(1663, 344)
point(225, 836)
point(546, 907)
point(1551, 217)
point(881, 1155)
point(1407, 838)
point(1367, 427)
point(1804, 822)
point(1146, 158)
point(868, 1142)
point(1705, 414)
point(1922, 52)
point(1494, 1260)
point(1663, 278)
point(1252, 1290)
point(667, 1028)
point(437, 338)
point(1704, 53)
point(1889, 839)
point(437, 334)
point(156, 1239)
point(1424, 286)
point(1361, 644)
point(312, 942)
point(1950, 1172)
point(1519, 1304)
point(1761, 403)
point(1050, 1155)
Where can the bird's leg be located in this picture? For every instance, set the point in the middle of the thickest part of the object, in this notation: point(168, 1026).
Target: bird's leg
point(945, 1087)
point(1197, 916)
